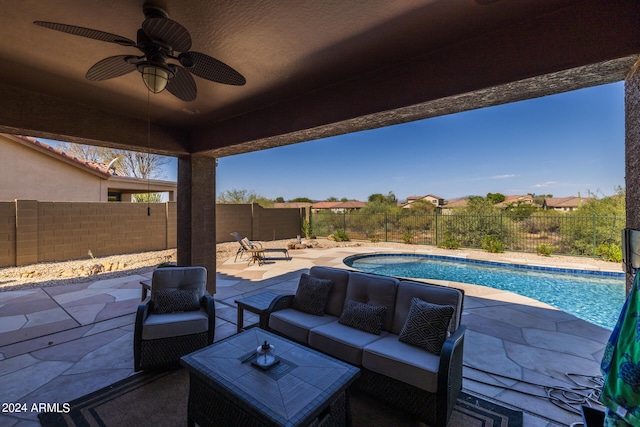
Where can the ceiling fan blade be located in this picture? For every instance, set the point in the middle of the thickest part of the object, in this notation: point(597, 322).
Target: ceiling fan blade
point(182, 85)
point(212, 69)
point(170, 32)
point(108, 68)
point(87, 32)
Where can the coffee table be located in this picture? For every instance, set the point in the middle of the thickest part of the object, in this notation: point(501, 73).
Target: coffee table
point(225, 388)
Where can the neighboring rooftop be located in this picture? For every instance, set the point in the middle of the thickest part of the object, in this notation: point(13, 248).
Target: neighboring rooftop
point(351, 204)
point(564, 203)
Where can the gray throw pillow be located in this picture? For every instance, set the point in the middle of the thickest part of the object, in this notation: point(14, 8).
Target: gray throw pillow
point(312, 294)
point(426, 325)
point(174, 300)
point(366, 317)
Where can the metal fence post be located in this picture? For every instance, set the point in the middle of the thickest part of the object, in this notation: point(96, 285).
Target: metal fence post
point(595, 233)
point(386, 228)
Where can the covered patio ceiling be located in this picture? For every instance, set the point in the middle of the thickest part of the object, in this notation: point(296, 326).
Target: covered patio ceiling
point(312, 68)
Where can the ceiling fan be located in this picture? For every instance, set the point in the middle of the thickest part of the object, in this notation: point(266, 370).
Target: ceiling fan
point(159, 40)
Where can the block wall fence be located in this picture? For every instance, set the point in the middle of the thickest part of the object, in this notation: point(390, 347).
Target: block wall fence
point(33, 231)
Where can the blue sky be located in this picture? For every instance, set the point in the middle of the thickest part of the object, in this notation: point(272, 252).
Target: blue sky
point(561, 145)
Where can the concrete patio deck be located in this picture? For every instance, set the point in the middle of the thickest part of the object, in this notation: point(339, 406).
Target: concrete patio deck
point(60, 343)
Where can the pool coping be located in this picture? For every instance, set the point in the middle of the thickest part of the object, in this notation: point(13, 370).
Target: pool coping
point(585, 272)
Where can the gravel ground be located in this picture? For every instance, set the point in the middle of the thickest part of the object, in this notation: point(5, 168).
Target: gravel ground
point(83, 270)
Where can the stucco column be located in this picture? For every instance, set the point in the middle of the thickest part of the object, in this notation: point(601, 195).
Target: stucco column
point(632, 153)
point(197, 214)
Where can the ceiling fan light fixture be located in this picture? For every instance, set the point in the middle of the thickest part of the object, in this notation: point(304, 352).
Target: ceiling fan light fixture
point(158, 39)
point(155, 77)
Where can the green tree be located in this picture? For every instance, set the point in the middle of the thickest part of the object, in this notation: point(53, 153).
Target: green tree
point(599, 221)
point(421, 206)
point(478, 205)
point(474, 223)
point(301, 200)
point(389, 199)
point(495, 198)
point(520, 210)
point(331, 199)
point(279, 199)
point(236, 196)
point(147, 198)
point(243, 196)
point(538, 199)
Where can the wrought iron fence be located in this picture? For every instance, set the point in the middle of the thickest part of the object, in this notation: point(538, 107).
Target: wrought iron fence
point(565, 233)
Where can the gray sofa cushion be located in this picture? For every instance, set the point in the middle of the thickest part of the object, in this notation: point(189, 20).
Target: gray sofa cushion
point(312, 294)
point(374, 290)
point(401, 361)
point(340, 278)
point(341, 341)
point(175, 324)
point(426, 325)
point(365, 317)
point(296, 324)
point(431, 293)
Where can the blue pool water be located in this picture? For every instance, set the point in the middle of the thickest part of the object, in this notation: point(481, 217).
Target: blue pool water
point(593, 296)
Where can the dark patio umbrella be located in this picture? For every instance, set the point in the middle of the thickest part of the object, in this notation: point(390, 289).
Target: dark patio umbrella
point(621, 365)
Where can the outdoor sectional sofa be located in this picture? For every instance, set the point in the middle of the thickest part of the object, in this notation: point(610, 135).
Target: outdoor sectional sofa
point(340, 313)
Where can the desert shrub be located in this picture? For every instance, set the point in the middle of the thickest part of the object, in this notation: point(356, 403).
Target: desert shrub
point(609, 252)
point(449, 242)
point(545, 250)
point(492, 244)
point(340, 236)
point(407, 238)
point(307, 230)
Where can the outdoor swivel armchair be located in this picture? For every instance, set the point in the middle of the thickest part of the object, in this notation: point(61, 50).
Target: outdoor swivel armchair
point(178, 319)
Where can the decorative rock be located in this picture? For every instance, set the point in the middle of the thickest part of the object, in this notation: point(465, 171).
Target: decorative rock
point(96, 268)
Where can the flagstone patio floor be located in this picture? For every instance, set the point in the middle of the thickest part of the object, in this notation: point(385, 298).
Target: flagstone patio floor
point(60, 343)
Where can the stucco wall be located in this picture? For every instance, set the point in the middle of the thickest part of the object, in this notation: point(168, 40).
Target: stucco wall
point(30, 175)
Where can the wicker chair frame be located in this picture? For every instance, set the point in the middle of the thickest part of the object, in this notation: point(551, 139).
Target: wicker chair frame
point(165, 352)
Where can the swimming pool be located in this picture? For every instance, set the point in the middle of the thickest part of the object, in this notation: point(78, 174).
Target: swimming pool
point(596, 297)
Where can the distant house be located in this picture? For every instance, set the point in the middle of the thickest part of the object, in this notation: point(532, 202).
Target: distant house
point(451, 205)
point(437, 201)
point(33, 170)
point(514, 200)
point(564, 204)
point(338, 207)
